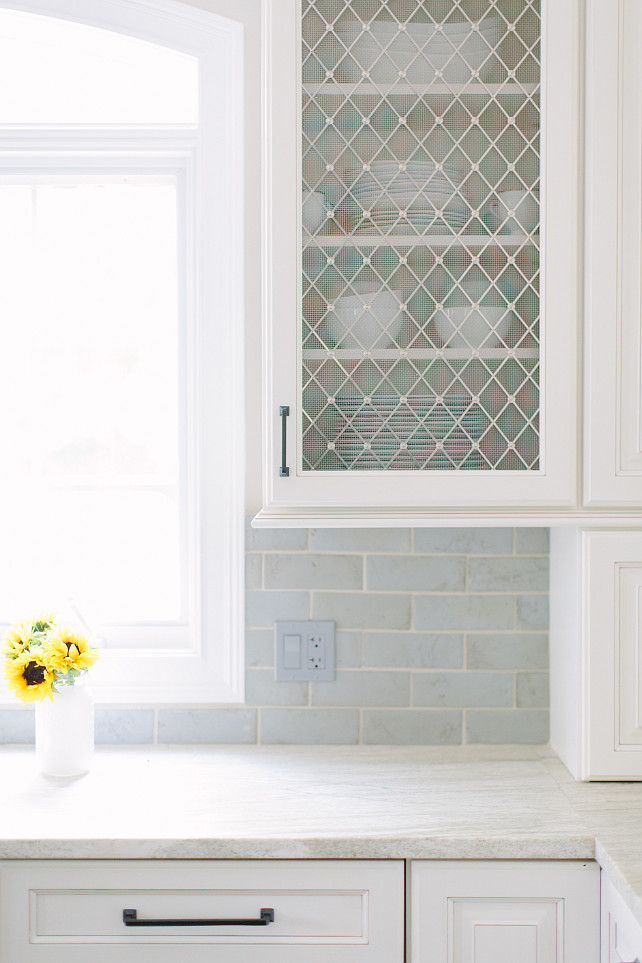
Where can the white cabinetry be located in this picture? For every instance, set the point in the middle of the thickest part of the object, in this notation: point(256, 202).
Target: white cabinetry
point(614, 253)
point(596, 652)
point(320, 911)
point(72, 910)
point(420, 317)
point(621, 932)
point(502, 912)
point(596, 577)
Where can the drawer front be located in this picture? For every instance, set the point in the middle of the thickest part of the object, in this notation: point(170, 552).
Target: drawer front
point(323, 909)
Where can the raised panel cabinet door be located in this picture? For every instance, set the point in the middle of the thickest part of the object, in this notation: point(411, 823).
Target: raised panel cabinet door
point(422, 255)
point(503, 912)
point(612, 640)
point(613, 402)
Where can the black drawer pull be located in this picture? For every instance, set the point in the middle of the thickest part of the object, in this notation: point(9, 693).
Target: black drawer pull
point(284, 411)
point(130, 918)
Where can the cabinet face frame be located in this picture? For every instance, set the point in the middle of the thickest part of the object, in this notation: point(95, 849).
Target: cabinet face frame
point(613, 298)
point(555, 483)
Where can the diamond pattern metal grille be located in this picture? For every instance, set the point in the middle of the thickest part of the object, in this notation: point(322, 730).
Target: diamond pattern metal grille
point(420, 247)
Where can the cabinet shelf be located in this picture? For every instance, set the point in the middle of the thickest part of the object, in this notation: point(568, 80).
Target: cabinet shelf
point(510, 92)
point(440, 241)
point(419, 354)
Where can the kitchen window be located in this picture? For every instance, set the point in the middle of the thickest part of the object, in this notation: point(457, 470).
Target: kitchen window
point(121, 299)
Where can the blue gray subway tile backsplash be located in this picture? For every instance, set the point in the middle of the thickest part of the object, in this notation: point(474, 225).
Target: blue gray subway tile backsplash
point(441, 639)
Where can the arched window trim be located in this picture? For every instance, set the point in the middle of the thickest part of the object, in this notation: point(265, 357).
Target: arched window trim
point(206, 664)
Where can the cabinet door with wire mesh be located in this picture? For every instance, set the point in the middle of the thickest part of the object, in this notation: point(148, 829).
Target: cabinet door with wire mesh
point(427, 311)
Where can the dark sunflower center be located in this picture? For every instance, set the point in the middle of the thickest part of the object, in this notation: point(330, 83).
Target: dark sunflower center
point(34, 674)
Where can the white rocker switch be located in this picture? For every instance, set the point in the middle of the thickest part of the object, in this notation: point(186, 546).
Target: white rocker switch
point(304, 651)
point(291, 651)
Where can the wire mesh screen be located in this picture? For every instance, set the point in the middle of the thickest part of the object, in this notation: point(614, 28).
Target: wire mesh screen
point(420, 246)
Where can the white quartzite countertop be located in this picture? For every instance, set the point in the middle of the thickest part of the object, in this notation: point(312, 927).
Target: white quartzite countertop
point(322, 802)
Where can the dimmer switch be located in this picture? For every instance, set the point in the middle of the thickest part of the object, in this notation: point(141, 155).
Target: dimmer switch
point(304, 651)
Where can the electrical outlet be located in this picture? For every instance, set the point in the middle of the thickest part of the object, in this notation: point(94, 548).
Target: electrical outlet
point(304, 651)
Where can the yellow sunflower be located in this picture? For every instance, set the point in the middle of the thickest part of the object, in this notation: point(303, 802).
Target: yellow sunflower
point(69, 650)
point(29, 676)
point(17, 639)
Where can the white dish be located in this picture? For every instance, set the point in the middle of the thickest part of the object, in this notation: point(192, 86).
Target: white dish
point(469, 327)
point(418, 51)
point(513, 212)
point(417, 33)
point(364, 320)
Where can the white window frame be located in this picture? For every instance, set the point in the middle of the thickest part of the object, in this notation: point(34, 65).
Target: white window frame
point(201, 662)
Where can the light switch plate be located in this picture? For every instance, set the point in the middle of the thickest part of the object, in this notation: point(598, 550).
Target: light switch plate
point(304, 651)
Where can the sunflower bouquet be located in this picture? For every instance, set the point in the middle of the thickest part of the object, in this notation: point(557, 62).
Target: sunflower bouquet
point(42, 655)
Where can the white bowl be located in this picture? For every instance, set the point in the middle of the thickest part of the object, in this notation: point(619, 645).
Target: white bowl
point(314, 211)
point(420, 50)
point(513, 212)
point(364, 320)
point(472, 327)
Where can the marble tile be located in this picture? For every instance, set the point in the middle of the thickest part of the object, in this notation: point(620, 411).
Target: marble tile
point(188, 726)
point(313, 571)
point(413, 650)
point(462, 689)
point(532, 690)
point(464, 541)
point(505, 726)
point(411, 728)
point(460, 612)
point(363, 688)
point(120, 726)
point(363, 610)
point(17, 726)
point(360, 539)
point(415, 573)
point(523, 650)
point(277, 539)
point(261, 689)
point(309, 726)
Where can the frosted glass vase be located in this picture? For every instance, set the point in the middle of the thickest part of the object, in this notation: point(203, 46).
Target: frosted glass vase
point(65, 731)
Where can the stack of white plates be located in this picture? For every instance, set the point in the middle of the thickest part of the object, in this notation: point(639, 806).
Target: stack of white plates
point(420, 198)
point(383, 422)
point(384, 48)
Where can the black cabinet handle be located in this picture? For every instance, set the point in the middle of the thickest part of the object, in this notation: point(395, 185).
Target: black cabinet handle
point(284, 411)
point(130, 918)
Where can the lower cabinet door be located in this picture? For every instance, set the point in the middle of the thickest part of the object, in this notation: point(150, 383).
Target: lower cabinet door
point(613, 646)
point(175, 911)
point(621, 932)
point(505, 912)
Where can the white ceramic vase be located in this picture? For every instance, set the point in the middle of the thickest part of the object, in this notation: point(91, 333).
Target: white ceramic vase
point(65, 731)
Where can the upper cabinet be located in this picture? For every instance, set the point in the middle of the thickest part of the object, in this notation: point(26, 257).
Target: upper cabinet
point(422, 256)
point(613, 468)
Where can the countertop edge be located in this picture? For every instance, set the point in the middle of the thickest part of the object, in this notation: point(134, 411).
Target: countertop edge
point(306, 847)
